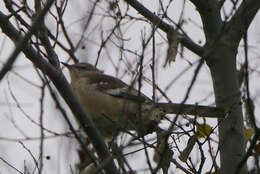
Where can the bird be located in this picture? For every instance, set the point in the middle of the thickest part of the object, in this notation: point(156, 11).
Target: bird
point(113, 105)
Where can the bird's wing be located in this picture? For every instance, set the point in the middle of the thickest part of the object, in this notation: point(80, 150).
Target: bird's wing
point(115, 87)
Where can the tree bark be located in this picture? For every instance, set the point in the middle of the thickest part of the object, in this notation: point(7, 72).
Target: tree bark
point(222, 64)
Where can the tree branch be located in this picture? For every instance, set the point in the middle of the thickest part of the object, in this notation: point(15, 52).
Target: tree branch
point(23, 40)
point(187, 42)
point(241, 20)
point(198, 110)
point(64, 89)
point(210, 15)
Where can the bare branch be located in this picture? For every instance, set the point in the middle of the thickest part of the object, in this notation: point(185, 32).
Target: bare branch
point(241, 20)
point(198, 110)
point(187, 42)
point(23, 40)
point(64, 89)
point(210, 15)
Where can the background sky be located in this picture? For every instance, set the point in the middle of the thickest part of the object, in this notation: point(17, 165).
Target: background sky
point(15, 125)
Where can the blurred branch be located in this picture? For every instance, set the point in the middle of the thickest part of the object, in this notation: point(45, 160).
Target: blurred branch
point(221, 3)
point(23, 40)
point(10, 165)
point(178, 166)
point(210, 15)
point(249, 151)
point(187, 42)
point(64, 89)
point(198, 110)
point(241, 20)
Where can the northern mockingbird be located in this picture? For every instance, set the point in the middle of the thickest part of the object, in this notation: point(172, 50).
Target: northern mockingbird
point(112, 104)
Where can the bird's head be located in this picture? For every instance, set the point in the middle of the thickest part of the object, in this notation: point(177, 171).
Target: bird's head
point(81, 69)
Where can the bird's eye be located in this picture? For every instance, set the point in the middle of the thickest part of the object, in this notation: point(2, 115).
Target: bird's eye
point(86, 67)
point(81, 67)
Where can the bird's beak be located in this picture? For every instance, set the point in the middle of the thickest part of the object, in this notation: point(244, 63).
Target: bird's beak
point(66, 65)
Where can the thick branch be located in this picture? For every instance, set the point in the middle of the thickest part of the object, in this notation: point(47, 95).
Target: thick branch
point(64, 89)
point(164, 26)
point(241, 20)
point(210, 15)
point(198, 110)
